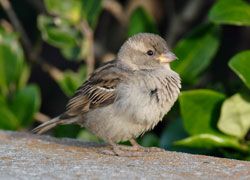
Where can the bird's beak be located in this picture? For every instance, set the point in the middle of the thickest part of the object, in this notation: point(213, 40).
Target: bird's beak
point(166, 57)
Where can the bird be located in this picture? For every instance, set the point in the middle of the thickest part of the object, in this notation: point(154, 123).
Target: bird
point(125, 97)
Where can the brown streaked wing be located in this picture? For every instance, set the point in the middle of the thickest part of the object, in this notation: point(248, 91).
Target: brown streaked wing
point(98, 91)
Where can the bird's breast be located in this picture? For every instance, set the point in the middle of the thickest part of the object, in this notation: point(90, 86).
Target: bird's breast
point(147, 97)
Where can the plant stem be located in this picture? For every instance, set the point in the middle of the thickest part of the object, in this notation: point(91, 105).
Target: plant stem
point(38, 5)
point(88, 33)
point(116, 9)
point(14, 20)
point(179, 22)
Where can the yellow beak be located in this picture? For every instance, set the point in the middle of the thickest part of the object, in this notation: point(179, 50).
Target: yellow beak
point(166, 57)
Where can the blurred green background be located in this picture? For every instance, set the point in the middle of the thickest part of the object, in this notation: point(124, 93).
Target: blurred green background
point(47, 49)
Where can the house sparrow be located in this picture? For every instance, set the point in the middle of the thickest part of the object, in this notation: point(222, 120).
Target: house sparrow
point(125, 97)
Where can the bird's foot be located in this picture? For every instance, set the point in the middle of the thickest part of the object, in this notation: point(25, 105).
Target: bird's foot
point(130, 151)
point(124, 152)
point(145, 149)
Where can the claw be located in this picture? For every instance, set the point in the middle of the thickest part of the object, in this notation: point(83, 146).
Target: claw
point(135, 150)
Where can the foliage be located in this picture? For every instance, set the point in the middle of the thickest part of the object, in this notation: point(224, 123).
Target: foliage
point(70, 80)
point(240, 65)
point(65, 31)
point(200, 103)
point(201, 43)
point(19, 101)
point(140, 21)
point(230, 12)
point(59, 33)
point(210, 118)
point(206, 120)
point(235, 115)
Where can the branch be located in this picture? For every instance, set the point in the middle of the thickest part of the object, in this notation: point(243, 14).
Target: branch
point(115, 8)
point(54, 72)
point(37, 4)
point(88, 33)
point(179, 23)
point(14, 20)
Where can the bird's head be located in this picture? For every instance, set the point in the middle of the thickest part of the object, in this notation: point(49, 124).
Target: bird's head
point(146, 51)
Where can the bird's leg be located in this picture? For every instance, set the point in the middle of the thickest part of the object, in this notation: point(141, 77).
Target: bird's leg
point(145, 149)
point(135, 144)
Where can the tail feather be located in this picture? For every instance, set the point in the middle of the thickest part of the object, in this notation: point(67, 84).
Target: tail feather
point(51, 124)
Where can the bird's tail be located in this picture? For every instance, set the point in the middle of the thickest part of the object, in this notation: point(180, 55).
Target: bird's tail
point(52, 123)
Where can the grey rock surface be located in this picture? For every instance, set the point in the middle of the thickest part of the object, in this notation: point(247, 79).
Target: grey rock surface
point(27, 156)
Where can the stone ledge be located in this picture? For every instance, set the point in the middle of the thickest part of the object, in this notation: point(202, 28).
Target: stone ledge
point(27, 156)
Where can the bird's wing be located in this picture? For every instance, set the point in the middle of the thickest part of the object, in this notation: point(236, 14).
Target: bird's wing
point(98, 91)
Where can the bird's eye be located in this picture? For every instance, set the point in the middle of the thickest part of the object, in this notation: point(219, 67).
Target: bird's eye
point(150, 52)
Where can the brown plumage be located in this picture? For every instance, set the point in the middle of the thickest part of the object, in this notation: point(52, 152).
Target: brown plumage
point(126, 97)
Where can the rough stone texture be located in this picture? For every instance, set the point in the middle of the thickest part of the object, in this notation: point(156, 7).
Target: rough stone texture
point(27, 156)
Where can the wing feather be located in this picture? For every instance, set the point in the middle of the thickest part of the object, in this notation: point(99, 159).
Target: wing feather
point(98, 91)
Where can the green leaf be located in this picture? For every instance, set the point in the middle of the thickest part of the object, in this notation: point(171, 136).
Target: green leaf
point(141, 21)
point(10, 68)
point(69, 83)
point(235, 116)
point(57, 32)
point(200, 110)
point(72, 80)
point(240, 64)
point(74, 10)
point(70, 130)
point(60, 34)
point(72, 53)
point(8, 120)
point(11, 39)
point(2, 100)
point(91, 11)
point(209, 141)
point(24, 77)
point(68, 9)
point(196, 51)
point(11, 62)
point(233, 12)
point(25, 103)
